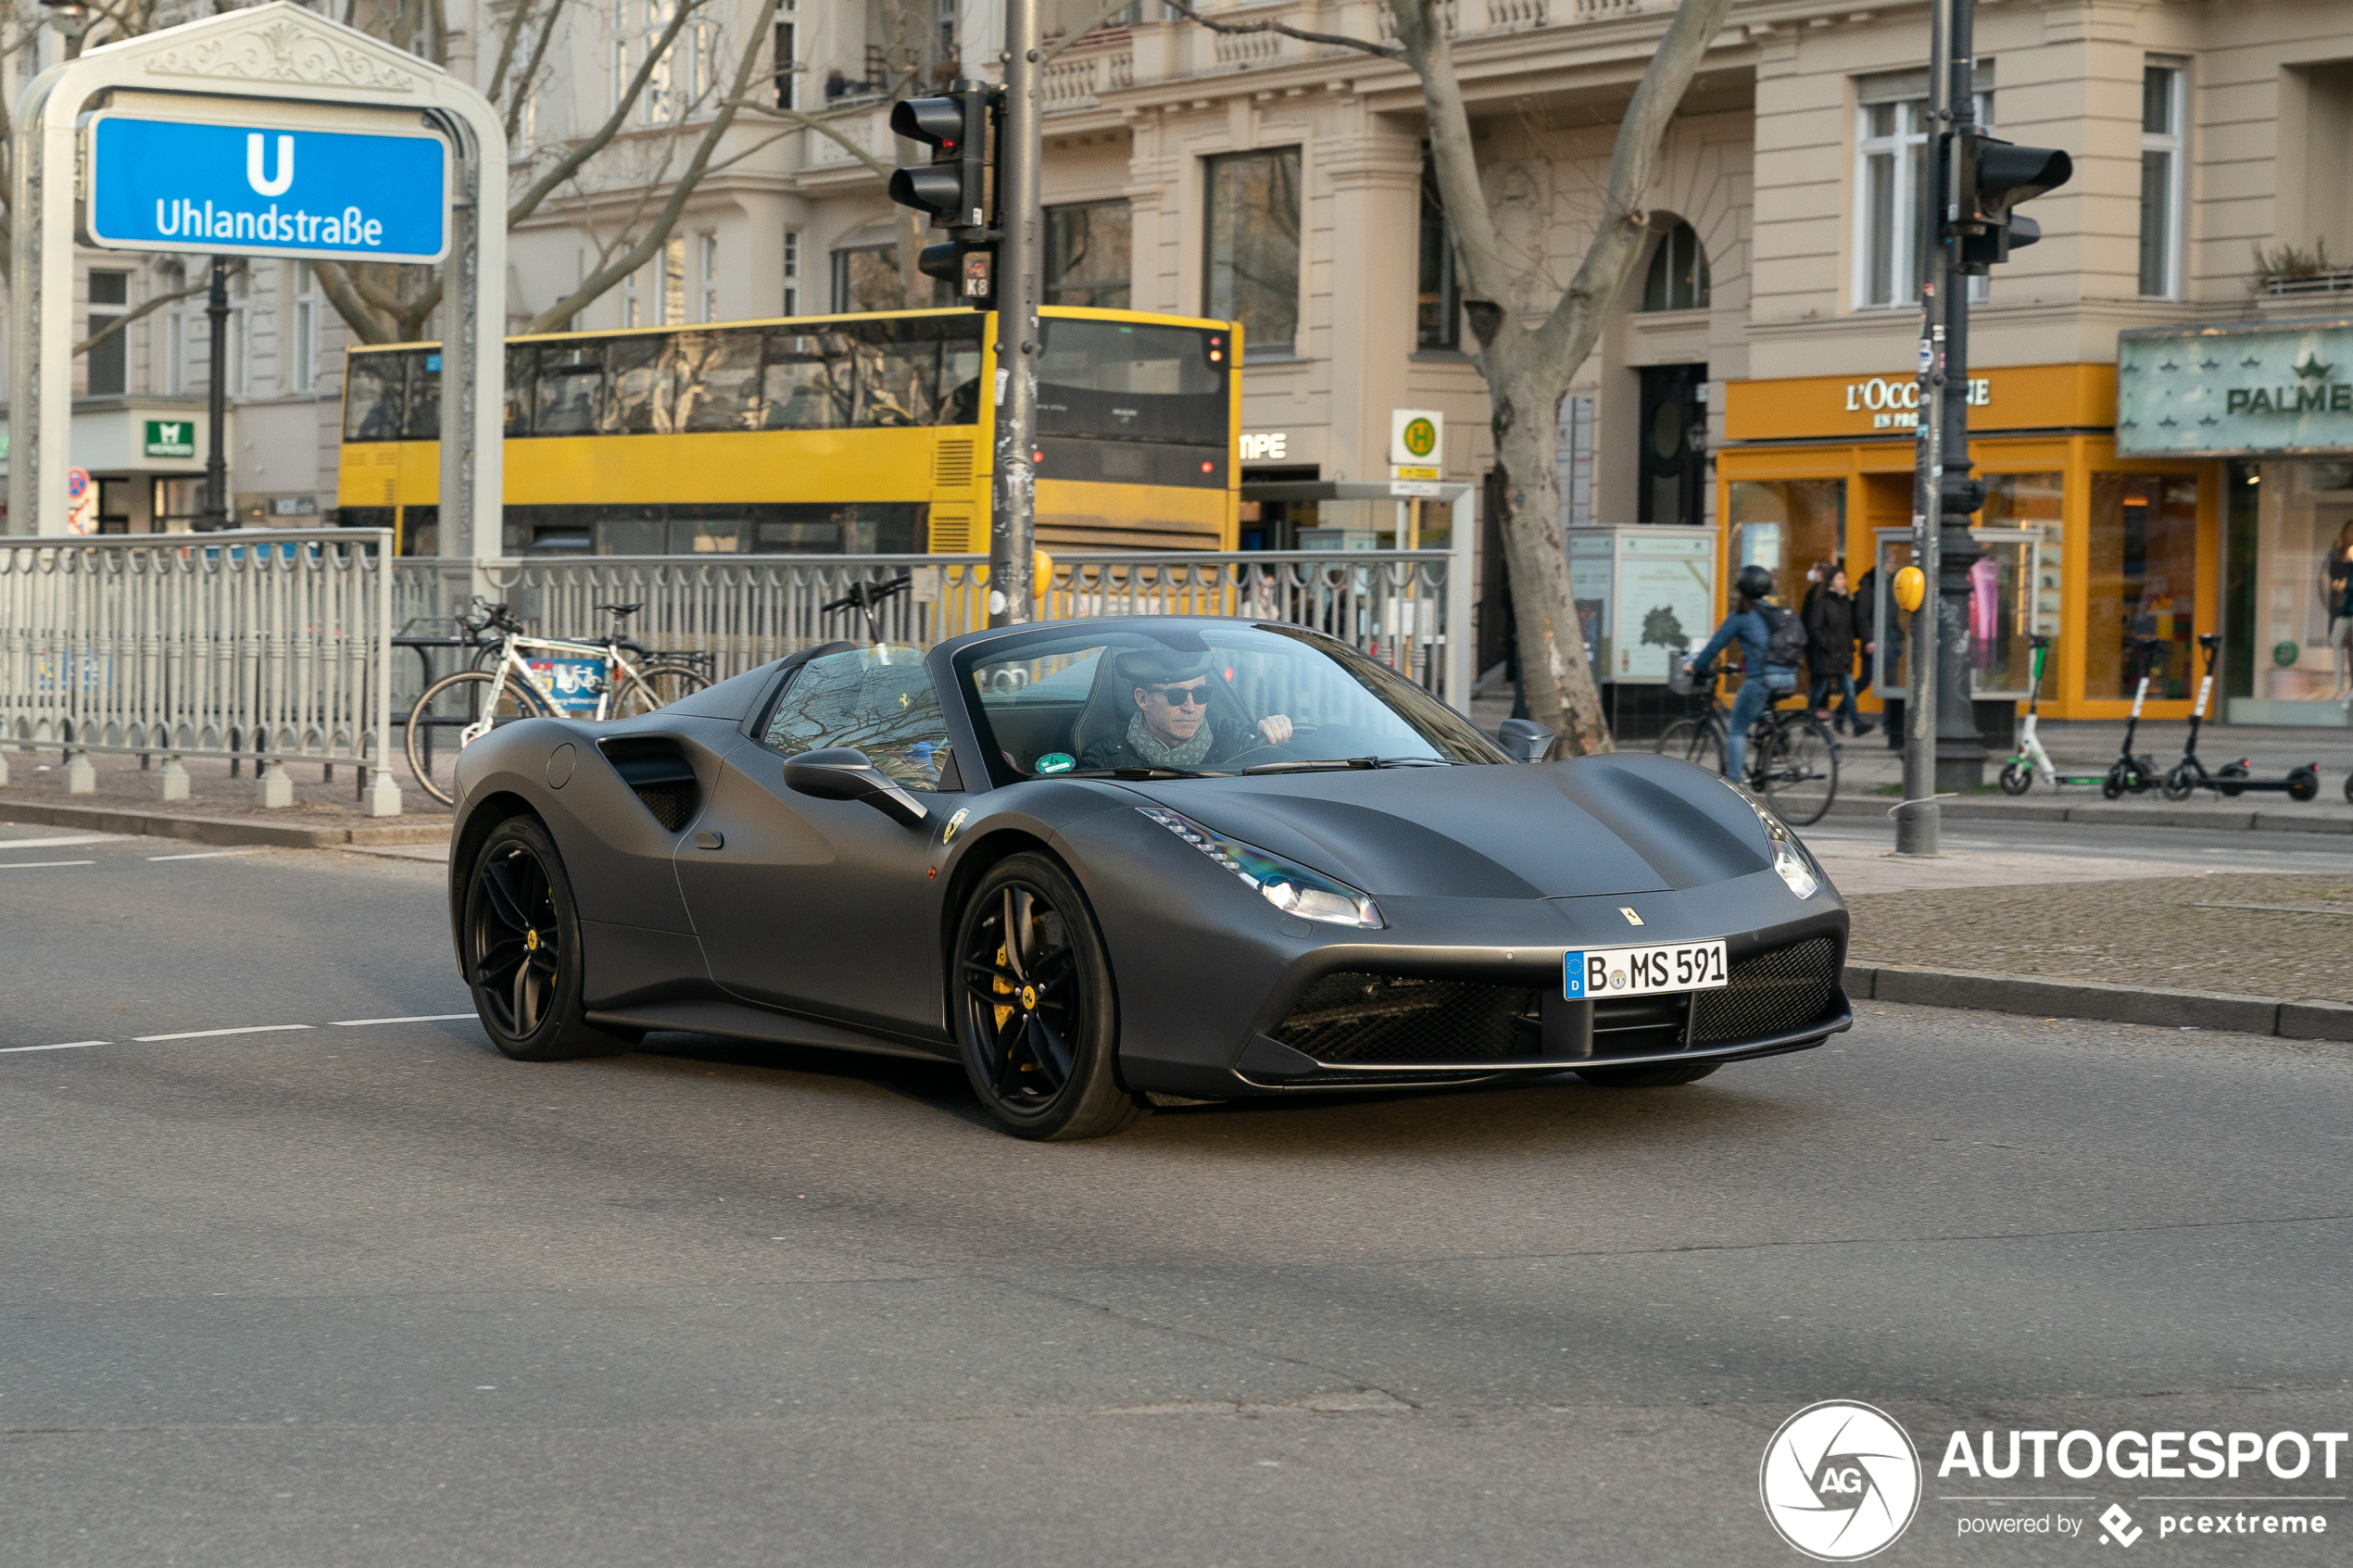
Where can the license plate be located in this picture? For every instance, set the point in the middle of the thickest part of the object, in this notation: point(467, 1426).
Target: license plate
point(1642, 972)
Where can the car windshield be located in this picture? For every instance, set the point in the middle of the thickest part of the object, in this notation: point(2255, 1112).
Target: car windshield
point(1186, 698)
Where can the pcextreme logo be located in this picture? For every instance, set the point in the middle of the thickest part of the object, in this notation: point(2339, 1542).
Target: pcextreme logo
point(1840, 1481)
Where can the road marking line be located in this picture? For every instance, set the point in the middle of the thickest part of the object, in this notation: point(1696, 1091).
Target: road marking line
point(59, 843)
point(421, 1018)
point(68, 1045)
point(207, 1034)
point(35, 865)
point(205, 854)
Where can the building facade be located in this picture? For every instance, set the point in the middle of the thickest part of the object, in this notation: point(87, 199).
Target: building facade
point(1755, 377)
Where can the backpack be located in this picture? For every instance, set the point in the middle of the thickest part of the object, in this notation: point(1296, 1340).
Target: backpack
point(1784, 637)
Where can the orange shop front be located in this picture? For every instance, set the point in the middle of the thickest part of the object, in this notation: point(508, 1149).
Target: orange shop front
point(2089, 549)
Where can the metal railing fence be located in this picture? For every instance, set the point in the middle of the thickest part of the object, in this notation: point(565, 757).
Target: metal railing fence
point(1409, 609)
point(268, 646)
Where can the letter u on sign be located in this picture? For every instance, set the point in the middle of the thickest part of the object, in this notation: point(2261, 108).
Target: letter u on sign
point(264, 184)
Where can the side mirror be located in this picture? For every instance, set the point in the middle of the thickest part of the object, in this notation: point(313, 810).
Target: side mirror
point(844, 773)
point(1524, 740)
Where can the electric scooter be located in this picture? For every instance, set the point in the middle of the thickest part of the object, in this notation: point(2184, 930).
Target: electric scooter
point(2031, 761)
point(2231, 779)
point(2128, 773)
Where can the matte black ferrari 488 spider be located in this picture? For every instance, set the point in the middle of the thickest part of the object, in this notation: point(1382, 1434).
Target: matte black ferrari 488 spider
point(1099, 861)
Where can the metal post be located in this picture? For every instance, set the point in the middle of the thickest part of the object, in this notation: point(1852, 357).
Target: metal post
point(1960, 750)
point(215, 462)
point(1917, 817)
point(1014, 509)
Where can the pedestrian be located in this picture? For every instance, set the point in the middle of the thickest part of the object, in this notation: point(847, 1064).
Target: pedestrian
point(1867, 625)
point(1829, 651)
point(1771, 640)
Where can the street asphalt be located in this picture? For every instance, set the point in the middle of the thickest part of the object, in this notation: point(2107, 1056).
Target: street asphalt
point(353, 1292)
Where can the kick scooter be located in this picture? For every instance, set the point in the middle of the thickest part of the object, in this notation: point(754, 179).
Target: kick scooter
point(2137, 774)
point(2031, 761)
point(2231, 778)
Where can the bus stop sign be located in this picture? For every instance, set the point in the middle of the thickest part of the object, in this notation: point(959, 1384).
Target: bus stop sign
point(159, 183)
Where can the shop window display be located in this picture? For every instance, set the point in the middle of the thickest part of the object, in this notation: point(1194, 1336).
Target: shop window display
point(2022, 583)
point(2304, 574)
point(1785, 525)
point(2143, 581)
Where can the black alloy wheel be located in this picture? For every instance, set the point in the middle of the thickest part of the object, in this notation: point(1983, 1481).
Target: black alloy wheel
point(1034, 1009)
point(521, 948)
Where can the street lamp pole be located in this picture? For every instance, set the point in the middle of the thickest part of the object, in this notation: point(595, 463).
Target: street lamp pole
point(1013, 508)
point(216, 463)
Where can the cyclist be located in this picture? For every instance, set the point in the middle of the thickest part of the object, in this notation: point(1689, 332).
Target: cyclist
point(1771, 641)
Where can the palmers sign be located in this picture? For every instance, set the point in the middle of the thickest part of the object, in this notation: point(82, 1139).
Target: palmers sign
point(2284, 387)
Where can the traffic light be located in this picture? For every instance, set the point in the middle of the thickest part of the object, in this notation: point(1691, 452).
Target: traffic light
point(1988, 178)
point(954, 189)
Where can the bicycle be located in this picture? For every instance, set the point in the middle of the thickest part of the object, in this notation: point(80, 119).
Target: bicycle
point(1793, 760)
point(518, 676)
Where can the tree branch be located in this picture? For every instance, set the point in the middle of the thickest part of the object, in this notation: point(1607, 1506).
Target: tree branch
point(507, 43)
point(597, 140)
point(1384, 51)
point(1046, 56)
point(367, 323)
point(122, 324)
point(530, 78)
point(667, 219)
point(880, 169)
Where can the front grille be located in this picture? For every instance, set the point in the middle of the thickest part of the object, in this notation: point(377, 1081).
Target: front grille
point(671, 801)
point(1769, 994)
point(1353, 1017)
point(1640, 1025)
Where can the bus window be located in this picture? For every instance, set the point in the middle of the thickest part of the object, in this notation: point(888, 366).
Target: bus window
point(375, 388)
point(808, 383)
point(639, 401)
point(422, 421)
point(1138, 383)
point(960, 384)
point(898, 382)
point(519, 359)
point(718, 381)
point(568, 386)
point(632, 536)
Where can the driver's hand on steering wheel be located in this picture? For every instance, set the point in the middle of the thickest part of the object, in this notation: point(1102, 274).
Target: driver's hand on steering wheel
point(1276, 728)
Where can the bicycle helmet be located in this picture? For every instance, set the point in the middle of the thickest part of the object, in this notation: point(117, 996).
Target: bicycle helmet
point(1755, 582)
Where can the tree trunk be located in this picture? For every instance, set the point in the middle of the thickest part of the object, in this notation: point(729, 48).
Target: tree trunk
point(1554, 673)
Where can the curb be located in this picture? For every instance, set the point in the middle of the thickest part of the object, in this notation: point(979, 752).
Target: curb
point(217, 829)
point(2031, 993)
point(2109, 814)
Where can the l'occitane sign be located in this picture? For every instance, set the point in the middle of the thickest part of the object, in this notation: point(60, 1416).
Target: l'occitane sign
point(1836, 408)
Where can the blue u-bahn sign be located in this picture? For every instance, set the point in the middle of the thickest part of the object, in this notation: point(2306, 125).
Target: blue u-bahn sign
point(249, 190)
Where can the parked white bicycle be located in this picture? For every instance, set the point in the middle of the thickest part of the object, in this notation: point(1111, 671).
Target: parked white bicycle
point(518, 676)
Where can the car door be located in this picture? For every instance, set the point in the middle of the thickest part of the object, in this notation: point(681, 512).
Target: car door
point(823, 906)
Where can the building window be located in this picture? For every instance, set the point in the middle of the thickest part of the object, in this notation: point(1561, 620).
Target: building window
point(172, 370)
point(637, 25)
point(673, 264)
point(2142, 560)
point(787, 65)
point(1088, 246)
point(1253, 275)
point(1891, 177)
point(632, 301)
point(792, 272)
point(1438, 300)
point(2162, 180)
point(1677, 276)
point(109, 365)
point(304, 347)
point(709, 244)
point(866, 277)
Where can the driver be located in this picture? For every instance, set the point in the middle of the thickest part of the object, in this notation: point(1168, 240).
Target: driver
point(1170, 726)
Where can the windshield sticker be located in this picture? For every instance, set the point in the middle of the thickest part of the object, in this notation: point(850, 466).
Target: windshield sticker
point(1057, 762)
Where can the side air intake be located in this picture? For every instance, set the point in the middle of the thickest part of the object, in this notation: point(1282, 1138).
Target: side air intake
point(657, 770)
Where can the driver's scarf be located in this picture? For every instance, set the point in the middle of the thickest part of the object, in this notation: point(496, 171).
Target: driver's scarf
point(1158, 753)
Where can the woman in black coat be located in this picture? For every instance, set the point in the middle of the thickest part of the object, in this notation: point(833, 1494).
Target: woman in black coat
point(1830, 639)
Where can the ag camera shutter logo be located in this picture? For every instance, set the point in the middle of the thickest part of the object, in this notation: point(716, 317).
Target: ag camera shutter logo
point(1840, 1481)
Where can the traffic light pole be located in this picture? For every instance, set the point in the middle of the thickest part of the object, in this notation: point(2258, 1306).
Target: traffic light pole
point(1013, 501)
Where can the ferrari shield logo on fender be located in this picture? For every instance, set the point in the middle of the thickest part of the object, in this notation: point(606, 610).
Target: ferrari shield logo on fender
point(955, 824)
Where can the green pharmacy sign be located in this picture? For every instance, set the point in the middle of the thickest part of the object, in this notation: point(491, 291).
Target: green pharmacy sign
point(172, 438)
point(2275, 388)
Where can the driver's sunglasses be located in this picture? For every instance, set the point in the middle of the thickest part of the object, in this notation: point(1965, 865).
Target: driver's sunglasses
point(1182, 696)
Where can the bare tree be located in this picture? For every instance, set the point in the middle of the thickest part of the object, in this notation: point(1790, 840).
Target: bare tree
point(1528, 368)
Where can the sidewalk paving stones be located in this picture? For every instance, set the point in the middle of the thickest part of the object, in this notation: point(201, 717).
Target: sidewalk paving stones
point(220, 809)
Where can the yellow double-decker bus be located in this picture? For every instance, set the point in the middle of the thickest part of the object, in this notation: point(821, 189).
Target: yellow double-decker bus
point(816, 435)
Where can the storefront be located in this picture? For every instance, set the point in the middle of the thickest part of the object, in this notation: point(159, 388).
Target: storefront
point(145, 458)
point(2275, 399)
point(2089, 547)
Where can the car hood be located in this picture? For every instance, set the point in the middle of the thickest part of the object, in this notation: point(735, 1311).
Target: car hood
point(1612, 824)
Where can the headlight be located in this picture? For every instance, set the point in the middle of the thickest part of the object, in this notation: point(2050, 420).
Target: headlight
point(1288, 885)
point(1790, 861)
